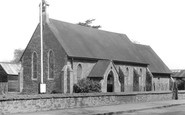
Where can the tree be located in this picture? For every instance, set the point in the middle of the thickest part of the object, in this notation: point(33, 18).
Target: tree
point(17, 55)
point(88, 23)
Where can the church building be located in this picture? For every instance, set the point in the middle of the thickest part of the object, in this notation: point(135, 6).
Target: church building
point(72, 52)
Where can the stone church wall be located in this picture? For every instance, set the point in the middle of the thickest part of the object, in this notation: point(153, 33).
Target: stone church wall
point(86, 68)
point(128, 79)
point(161, 83)
point(50, 43)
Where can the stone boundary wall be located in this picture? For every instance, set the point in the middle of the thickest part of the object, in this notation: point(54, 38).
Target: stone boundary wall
point(44, 102)
point(181, 94)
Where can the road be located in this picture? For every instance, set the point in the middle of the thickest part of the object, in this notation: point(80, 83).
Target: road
point(175, 110)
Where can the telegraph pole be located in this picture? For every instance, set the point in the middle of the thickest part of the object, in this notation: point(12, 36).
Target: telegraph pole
point(42, 85)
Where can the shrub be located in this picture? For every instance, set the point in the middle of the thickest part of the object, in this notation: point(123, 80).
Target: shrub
point(55, 92)
point(87, 86)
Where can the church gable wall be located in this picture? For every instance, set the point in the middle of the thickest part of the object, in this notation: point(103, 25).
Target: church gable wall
point(50, 43)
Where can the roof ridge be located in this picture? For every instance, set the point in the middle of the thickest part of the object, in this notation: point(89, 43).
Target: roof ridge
point(141, 44)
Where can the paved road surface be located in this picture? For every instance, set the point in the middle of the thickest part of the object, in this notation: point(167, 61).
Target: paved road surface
point(175, 110)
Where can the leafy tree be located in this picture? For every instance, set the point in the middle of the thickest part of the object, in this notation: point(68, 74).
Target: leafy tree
point(88, 23)
point(17, 55)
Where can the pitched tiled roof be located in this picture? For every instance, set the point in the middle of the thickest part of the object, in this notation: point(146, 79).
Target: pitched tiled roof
point(156, 65)
point(99, 68)
point(11, 69)
point(85, 42)
point(179, 74)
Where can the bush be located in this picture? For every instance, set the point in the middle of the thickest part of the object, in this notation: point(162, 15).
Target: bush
point(87, 86)
point(55, 92)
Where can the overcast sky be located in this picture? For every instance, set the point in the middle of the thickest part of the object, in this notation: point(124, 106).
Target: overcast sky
point(158, 23)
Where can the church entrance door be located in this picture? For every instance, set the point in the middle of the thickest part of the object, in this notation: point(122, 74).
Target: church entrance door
point(110, 82)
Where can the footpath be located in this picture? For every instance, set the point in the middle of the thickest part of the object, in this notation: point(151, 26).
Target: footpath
point(111, 109)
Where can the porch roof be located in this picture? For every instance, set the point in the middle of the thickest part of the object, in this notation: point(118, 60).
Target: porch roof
point(99, 68)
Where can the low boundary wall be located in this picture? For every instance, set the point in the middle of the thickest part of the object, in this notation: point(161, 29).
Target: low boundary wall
point(44, 102)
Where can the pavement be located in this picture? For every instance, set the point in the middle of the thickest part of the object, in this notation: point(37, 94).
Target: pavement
point(111, 109)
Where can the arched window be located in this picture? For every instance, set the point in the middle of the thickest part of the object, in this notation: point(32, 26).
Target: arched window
point(141, 71)
point(127, 79)
point(51, 65)
point(135, 80)
point(34, 66)
point(148, 80)
point(127, 71)
point(79, 72)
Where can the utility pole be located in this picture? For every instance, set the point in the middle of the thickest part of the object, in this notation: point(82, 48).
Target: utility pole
point(42, 85)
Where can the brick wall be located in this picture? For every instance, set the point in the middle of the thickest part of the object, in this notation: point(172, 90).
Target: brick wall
point(50, 43)
point(32, 103)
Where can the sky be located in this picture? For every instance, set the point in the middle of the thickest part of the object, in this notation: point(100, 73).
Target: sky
point(158, 23)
